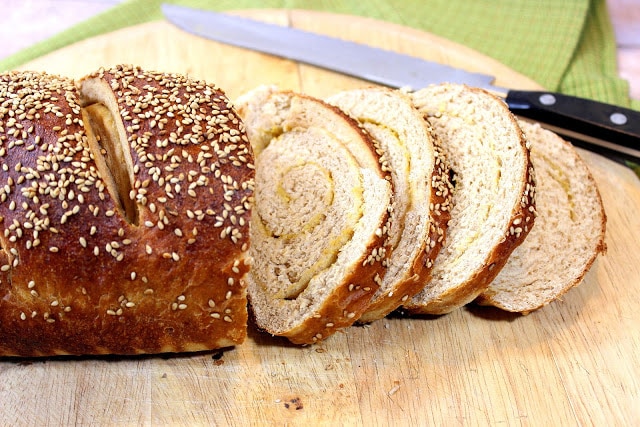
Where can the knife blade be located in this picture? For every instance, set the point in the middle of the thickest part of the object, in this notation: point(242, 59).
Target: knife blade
point(604, 128)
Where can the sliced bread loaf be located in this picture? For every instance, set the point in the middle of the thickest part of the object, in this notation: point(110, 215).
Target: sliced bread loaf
point(320, 221)
point(493, 198)
point(422, 190)
point(570, 225)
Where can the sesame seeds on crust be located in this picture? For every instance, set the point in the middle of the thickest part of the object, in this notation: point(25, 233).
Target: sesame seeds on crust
point(67, 252)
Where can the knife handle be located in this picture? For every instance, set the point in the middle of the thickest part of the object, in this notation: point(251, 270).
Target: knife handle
point(608, 126)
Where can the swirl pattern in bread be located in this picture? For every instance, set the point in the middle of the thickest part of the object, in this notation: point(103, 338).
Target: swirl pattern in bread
point(321, 215)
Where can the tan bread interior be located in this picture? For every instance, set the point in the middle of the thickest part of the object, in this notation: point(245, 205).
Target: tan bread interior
point(110, 157)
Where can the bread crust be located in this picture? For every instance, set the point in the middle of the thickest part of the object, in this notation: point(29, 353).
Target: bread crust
point(78, 277)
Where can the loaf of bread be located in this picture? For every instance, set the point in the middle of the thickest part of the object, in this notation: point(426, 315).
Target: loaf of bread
point(493, 198)
point(568, 235)
point(422, 190)
point(125, 201)
point(130, 223)
point(319, 230)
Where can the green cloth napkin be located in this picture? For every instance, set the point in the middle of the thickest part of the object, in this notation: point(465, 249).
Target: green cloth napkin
point(565, 45)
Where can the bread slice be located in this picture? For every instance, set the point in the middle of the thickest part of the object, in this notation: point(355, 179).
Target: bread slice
point(569, 232)
point(320, 221)
point(422, 190)
point(493, 198)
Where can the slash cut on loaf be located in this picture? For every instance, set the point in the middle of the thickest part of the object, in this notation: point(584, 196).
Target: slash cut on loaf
point(125, 200)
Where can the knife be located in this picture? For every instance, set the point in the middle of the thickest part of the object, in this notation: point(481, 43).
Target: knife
point(604, 128)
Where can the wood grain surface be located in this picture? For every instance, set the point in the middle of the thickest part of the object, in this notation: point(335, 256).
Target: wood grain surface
point(575, 362)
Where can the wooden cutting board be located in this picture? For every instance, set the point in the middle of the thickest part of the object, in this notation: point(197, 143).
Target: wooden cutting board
point(575, 362)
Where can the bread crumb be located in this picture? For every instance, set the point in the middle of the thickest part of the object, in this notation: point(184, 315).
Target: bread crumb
point(393, 389)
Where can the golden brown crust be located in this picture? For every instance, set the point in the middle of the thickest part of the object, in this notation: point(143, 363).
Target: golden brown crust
point(77, 276)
